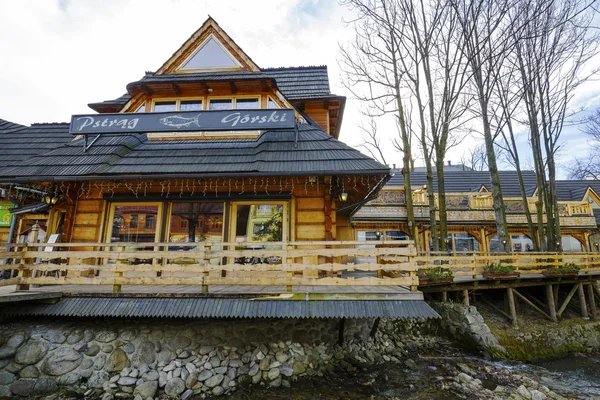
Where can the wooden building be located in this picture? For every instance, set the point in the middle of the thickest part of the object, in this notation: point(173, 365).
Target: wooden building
point(208, 206)
point(471, 221)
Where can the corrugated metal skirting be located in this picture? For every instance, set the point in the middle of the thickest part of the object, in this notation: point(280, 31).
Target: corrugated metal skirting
point(221, 308)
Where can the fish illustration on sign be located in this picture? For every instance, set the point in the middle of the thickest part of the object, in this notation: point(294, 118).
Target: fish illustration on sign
point(177, 121)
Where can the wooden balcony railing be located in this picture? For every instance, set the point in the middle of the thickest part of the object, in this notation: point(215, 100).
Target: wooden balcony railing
point(312, 263)
point(206, 263)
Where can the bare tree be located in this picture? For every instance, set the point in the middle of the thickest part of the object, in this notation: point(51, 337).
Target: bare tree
point(588, 167)
point(371, 67)
point(552, 50)
point(372, 141)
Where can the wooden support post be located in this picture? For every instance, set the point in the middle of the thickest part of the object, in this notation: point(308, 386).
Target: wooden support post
point(501, 312)
point(341, 331)
point(444, 297)
point(592, 300)
point(117, 288)
point(375, 326)
point(466, 297)
point(555, 289)
point(513, 309)
point(568, 299)
point(529, 302)
point(551, 303)
point(290, 274)
point(584, 311)
point(205, 287)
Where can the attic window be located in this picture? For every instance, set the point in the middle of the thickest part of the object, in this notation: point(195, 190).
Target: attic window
point(211, 55)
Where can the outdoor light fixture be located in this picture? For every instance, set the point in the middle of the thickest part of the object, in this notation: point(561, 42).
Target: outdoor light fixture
point(378, 233)
point(344, 196)
point(51, 200)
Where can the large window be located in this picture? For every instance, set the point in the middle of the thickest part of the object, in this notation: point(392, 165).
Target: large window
point(259, 222)
point(234, 103)
point(197, 222)
point(177, 105)
point(134, 223)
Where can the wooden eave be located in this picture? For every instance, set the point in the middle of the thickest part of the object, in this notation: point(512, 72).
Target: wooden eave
point(201, 87)
point(334, 105)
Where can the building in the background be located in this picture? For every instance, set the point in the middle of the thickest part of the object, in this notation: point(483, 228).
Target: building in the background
point(471, 224)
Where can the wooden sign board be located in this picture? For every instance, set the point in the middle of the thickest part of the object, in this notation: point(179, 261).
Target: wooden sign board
point(183, 121)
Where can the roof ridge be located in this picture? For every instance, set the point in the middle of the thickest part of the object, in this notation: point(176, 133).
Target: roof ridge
point(295, 67)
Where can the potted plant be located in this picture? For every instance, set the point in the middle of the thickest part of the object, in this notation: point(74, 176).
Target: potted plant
point(428, 276)
point(497, 270)
point(566, 269)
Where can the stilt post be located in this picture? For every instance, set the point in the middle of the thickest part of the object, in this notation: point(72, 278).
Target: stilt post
point(551, 303)
point(511, 305)
point(592, 300)
point(466, 297)
point(584, 311)
point(341, 331)
point(444, 297)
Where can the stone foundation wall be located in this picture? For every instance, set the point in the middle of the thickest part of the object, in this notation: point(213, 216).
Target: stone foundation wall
point(143, 359)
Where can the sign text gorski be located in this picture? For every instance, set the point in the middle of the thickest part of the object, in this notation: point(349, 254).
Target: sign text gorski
point(184, 121)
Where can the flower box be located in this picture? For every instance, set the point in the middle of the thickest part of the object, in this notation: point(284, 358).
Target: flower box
point(555, 274)
point(425, 281)
point(493, 275)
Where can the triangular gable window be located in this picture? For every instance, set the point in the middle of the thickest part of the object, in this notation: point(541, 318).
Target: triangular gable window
point(211, 55)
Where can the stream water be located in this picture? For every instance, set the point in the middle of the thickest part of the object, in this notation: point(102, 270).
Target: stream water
point(433, 377)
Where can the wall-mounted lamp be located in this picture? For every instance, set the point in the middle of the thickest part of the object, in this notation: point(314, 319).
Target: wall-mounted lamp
point(597, 245)
point(51, 200)
point(378, 233)
point(344, 196)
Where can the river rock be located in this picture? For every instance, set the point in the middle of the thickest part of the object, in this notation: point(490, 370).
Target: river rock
point(146, 389)
point(218, 390)
point(6, 378)
point(282, 357)
point(273, 373)
point(129, 334)
point(254, 370)
point(286, 370)
point(16, 340)
point(117, 361)
point(214, 380)
point(126, 381)
point(61, 361)
point(187, 394)
point(29, 371)
point(204, 375)
point(99, 362)
point(7, 352)
point(106, 336)
point(54, 336)
point(151, 375)
point(107, 348)
point(75, 337)
point(191, 381)
point(68, 379)
point(129, 348)
point(97, 379)
point(22, 387)
point(92, 350)
point(45, 385)
point(175, 387)
point(298, 368)
point(145, 354)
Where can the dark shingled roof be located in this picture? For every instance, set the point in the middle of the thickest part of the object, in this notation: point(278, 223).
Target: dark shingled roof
point(296, 83)
point(472, 181)
point(222, 308)
point(19, 142)
point(272, 154)
point(301, 83)
point(575, 190)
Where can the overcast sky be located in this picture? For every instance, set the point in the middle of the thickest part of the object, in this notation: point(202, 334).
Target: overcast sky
point(56, 56)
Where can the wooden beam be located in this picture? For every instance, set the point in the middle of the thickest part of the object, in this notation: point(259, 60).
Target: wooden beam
point(466, 297)
point(526, 300)
point(582, 305)
point(592, 300)
point(513, 309)
point(501, 312)
point(568, 299)
point(444, 297)
point(374, 327)
point(176, 89)
point(341, 331)
point(551, 303)
point(146, 90)
point(233, 87)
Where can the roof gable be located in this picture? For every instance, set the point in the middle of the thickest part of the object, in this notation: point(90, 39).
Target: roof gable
point(210, 55)
point(210, 34)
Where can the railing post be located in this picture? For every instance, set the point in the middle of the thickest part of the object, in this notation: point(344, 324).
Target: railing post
point(117, 288)
point(205, 274)
point(26, 273)
point(290, 274)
